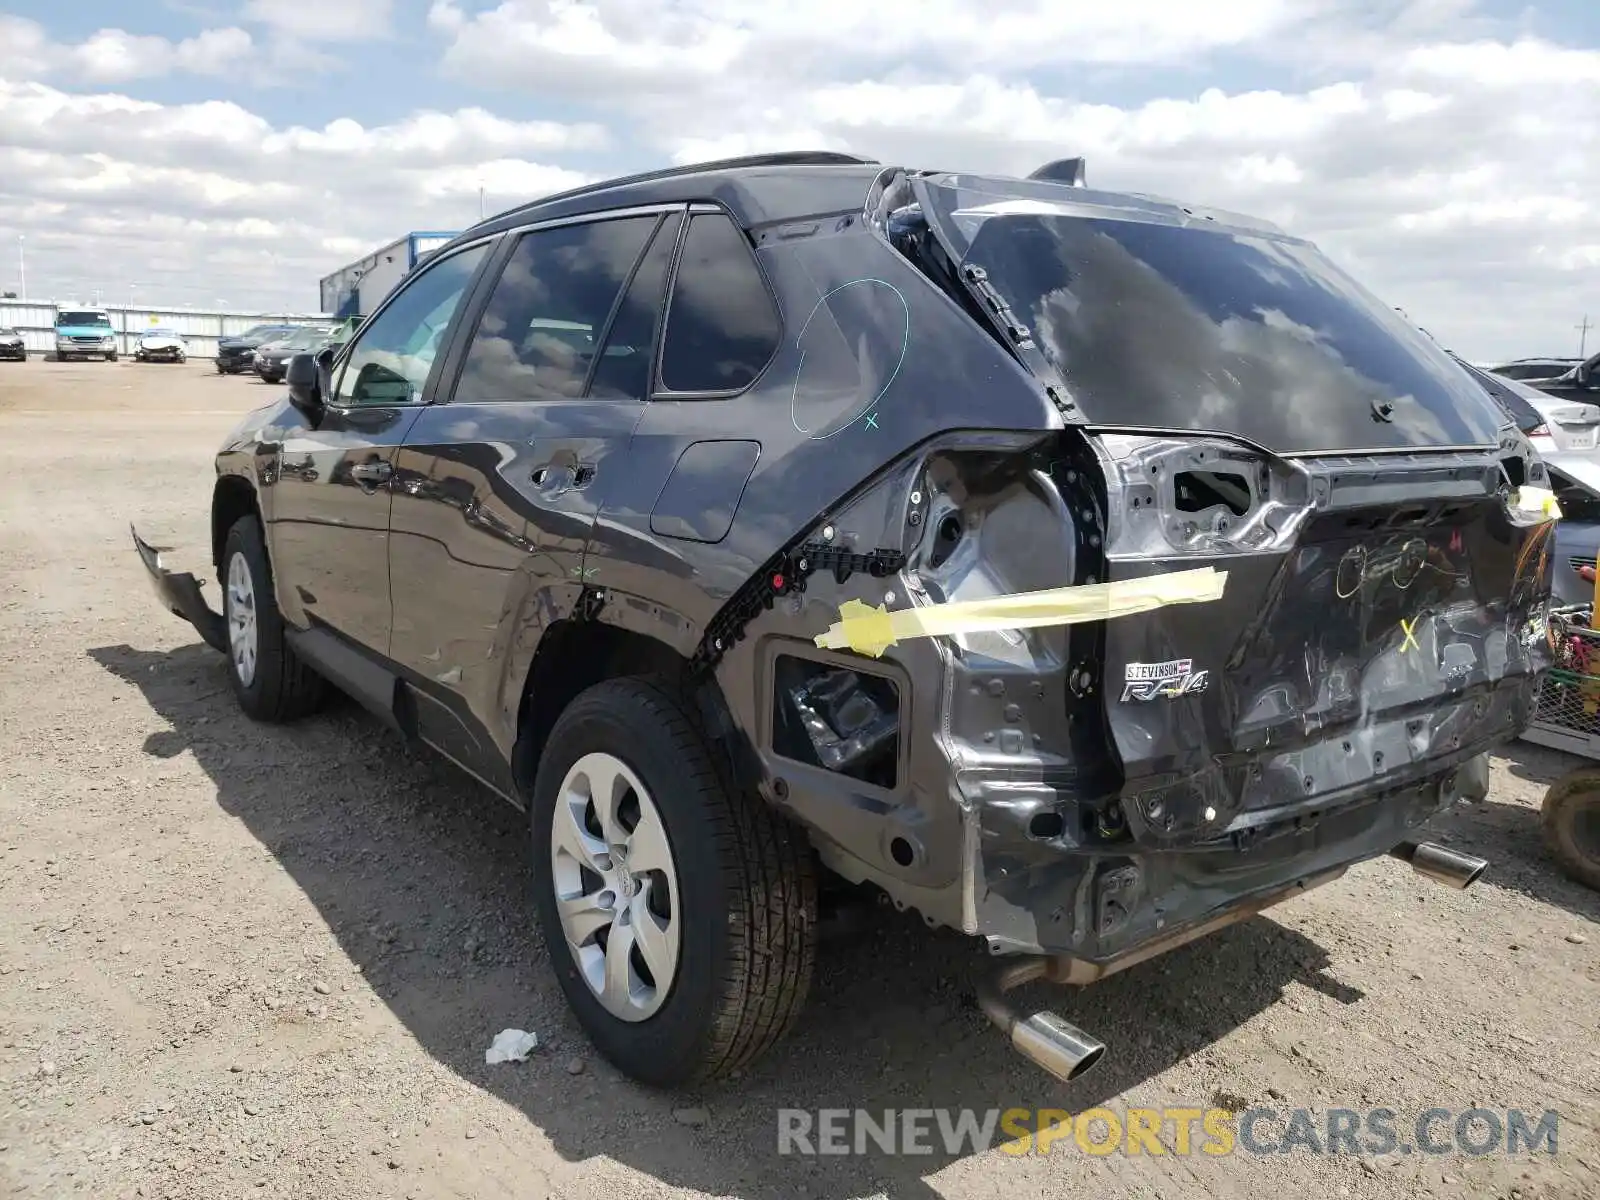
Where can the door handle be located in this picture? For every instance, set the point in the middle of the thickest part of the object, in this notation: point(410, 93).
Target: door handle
point(553, 477)
point(373, 472)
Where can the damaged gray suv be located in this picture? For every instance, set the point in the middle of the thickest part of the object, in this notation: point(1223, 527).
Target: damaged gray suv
point(1083, 570)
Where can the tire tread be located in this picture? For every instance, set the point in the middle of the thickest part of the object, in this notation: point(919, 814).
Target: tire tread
point(770, 885)
point(1572, 791)
point(288, 689)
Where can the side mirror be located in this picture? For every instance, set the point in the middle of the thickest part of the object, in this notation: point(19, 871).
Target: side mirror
point(305, 386)
point(324, 360)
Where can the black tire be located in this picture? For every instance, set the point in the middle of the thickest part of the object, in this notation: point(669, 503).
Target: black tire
point(282, 688)
point(112, 357)
point(747, 892)
point(1571, 821)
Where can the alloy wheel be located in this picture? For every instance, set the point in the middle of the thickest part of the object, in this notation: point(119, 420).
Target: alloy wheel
point(616, 886)
point(242, 637)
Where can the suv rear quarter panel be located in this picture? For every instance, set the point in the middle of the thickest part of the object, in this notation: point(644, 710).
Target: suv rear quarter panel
point(873, 361)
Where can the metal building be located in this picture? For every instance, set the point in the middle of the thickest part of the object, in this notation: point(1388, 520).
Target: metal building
point(357, 289)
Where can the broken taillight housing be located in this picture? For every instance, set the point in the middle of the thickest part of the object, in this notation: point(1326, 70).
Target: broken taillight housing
point(1202, 496)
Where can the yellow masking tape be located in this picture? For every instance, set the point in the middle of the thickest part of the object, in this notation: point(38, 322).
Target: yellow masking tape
point(868, 630)
point(1536, 501)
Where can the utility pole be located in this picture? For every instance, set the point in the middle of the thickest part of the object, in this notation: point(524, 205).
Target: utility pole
point(1583, 335)
point(22, 268)
point(480, 202)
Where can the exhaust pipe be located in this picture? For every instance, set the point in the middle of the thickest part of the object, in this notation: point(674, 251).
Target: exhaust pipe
point(1044, 1038)
point(1441, 864)
point(1062, 1048)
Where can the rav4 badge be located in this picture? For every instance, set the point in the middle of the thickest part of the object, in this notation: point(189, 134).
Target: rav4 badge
point(1169, 680)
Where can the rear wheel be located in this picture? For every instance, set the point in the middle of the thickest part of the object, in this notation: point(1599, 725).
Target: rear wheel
point(1571, 819)
point(680, 916)
point(269, 680)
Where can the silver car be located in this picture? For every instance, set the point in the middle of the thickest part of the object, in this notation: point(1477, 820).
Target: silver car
point(1575, 479)
point(1554, 425)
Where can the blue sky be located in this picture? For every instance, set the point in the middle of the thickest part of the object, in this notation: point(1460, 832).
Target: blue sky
point(1443, 150)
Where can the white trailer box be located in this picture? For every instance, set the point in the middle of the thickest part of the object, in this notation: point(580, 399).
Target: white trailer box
point(357, 289)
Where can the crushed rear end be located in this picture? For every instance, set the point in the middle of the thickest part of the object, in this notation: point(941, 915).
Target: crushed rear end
point(1229, 399)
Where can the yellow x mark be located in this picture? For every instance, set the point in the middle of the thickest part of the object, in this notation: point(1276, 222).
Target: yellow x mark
point(1411, 638)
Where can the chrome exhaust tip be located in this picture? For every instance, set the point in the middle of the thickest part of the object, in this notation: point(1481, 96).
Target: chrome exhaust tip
point(1442, 864)
point(1042, 1037)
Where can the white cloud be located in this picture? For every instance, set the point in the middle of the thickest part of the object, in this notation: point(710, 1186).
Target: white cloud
point(652, 42)
point(325, 21)
point(1446, 160)
point(1444, 156)
point(116, 56)
point(195, 201)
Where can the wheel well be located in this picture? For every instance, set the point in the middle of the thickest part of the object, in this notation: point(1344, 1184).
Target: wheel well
point(575, 655)
point(233, 498)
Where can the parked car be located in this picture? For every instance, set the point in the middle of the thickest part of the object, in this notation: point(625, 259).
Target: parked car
point(236, 354)
point(161, 344)
point(1581, 383)
point(1575, 479)
point(343, 332)
point(272, 358)
point(84, 333)
point(1535, 368)
point(1011, 547)
point(1553, 425)
point(11, 345)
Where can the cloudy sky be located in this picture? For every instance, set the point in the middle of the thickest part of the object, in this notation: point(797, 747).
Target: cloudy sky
point(1445, 151)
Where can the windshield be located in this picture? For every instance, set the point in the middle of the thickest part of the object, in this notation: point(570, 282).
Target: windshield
point(160, 331)
point(1537, 369)
point(261, 332)
point(1208, 326)
point(303, 339)
point(83, 318)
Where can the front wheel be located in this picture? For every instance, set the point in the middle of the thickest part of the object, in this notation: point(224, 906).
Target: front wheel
point(679, 915)
point(269, 680)
point(112, 357)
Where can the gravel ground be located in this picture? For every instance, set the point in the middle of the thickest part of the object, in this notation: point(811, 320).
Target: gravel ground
point(249, 961)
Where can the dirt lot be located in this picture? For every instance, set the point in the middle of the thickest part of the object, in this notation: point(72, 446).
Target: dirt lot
point(244, 961)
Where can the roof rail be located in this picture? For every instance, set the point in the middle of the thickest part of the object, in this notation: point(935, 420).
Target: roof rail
point(781, 158)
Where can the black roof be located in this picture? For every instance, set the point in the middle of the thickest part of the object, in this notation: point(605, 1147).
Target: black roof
point(758, 189)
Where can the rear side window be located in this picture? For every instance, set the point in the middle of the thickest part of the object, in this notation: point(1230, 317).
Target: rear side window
point(623, 371)
point(722, 326)
point(538, 335)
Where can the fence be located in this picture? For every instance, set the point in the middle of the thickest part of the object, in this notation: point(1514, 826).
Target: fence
point(200, 327)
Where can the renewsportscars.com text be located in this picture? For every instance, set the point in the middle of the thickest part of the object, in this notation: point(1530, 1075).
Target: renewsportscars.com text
point(1160, 1131)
